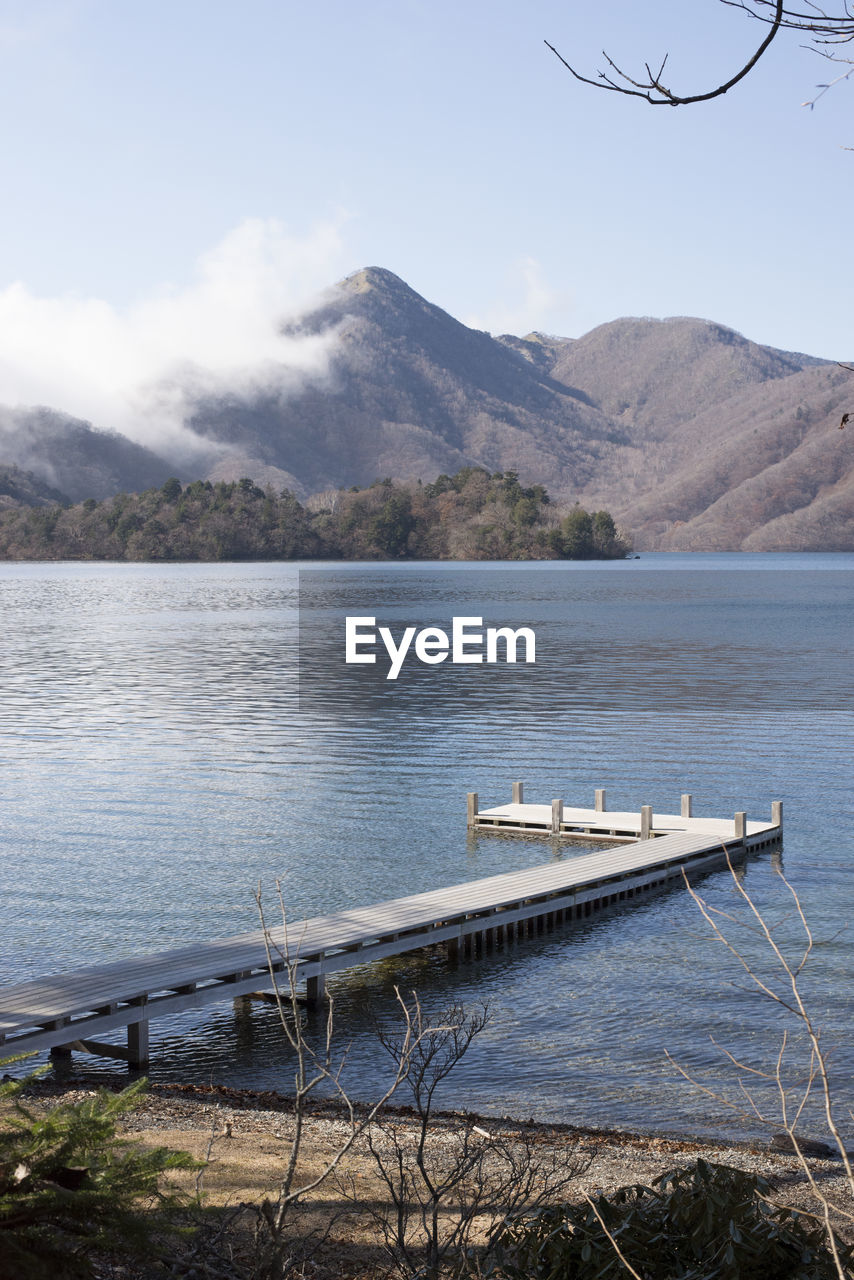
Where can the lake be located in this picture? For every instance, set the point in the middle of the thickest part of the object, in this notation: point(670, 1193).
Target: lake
point(172, 736)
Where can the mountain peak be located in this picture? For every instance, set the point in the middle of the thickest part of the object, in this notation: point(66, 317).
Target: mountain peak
point(369, 279)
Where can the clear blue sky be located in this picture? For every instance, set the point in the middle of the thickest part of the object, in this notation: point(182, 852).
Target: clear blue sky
point(437, 138)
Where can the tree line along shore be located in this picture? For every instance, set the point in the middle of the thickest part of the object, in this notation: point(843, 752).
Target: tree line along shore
point(473, 515)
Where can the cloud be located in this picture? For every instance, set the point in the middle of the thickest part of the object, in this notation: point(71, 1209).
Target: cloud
point(527, 302)
point(139, 370)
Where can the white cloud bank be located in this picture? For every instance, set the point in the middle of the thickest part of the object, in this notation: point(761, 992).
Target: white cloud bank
point(139, 370)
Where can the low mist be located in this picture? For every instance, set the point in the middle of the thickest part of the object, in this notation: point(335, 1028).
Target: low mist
point(141, 370)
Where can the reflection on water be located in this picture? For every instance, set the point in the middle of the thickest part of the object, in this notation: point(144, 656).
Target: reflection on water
point(172, 735)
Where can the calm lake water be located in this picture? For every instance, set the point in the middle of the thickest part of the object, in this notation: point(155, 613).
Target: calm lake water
point(170, 736)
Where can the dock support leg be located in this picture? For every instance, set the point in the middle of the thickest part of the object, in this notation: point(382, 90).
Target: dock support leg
point(686, 806)
point(777, 812)
point(518, 792)
point(138, 1044)
point(315, 989)
point(557, 816)
point(600, 800)
point(454, 950)
point(646, 822)
point(61, 1052)
point(471, 808)
point(740, 824)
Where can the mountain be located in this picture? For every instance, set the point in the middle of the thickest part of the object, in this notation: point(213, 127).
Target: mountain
point(732, 445)
point(22, 489)
point(412, 393)
point(69, 455)
point(765, 470)
point(691, 435)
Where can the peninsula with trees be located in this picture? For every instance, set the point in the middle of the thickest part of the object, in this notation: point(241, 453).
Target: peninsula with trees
point(473, 515)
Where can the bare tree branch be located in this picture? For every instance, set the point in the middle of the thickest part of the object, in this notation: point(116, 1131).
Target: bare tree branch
point(788, 996)
point(823, 28)
point(653, 89)
point(614, 1244)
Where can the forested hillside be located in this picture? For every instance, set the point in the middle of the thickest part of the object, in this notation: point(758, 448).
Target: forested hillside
point(469, 516)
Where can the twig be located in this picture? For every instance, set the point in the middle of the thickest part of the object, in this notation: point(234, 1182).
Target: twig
point(614, 1244)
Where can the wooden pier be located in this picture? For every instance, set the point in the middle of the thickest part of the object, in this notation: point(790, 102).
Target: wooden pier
point(70, 1011)
point(600, 824)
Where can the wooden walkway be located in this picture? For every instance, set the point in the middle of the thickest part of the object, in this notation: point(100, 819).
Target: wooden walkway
point(68, 1011)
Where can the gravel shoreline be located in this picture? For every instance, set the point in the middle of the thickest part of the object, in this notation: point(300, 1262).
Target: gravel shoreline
point(617, 1158)
point(243, 1139)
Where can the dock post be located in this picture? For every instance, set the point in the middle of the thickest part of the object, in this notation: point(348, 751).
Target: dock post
point(518, 792)
point(557, 816)
point(315, 989)
point(471, 804)
point(600, 800)
point(740, 824)
point(687, 806)
point(138, 1044)
point(777, 812)
point(646, 822)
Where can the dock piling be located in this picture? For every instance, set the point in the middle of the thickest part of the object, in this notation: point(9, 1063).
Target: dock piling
point(600, 800)
point(740, 827)
point(687, 806)
point(471, 804)
point(777, 812)
point(315, 989)
point(646, 822)
point(138, 1044)
point(518, 792)
point(557, 816)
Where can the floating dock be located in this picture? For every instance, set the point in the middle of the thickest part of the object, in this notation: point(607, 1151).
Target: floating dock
point(66, 1012)
point(611, 826)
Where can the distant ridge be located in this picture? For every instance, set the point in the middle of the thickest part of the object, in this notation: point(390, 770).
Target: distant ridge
point(695, 437)
point(73, 458)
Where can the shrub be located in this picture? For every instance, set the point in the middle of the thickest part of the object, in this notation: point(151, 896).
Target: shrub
point(706, 1222)
point(70, 1188)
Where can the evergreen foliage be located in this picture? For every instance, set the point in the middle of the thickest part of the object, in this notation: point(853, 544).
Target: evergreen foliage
point(473, 515)
point(706, 1222)
point(70, 1189)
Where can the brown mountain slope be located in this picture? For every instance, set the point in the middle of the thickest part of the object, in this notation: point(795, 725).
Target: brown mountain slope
point(714, 482)
point(731, 444)
point(414, 393)
point(654, 374)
